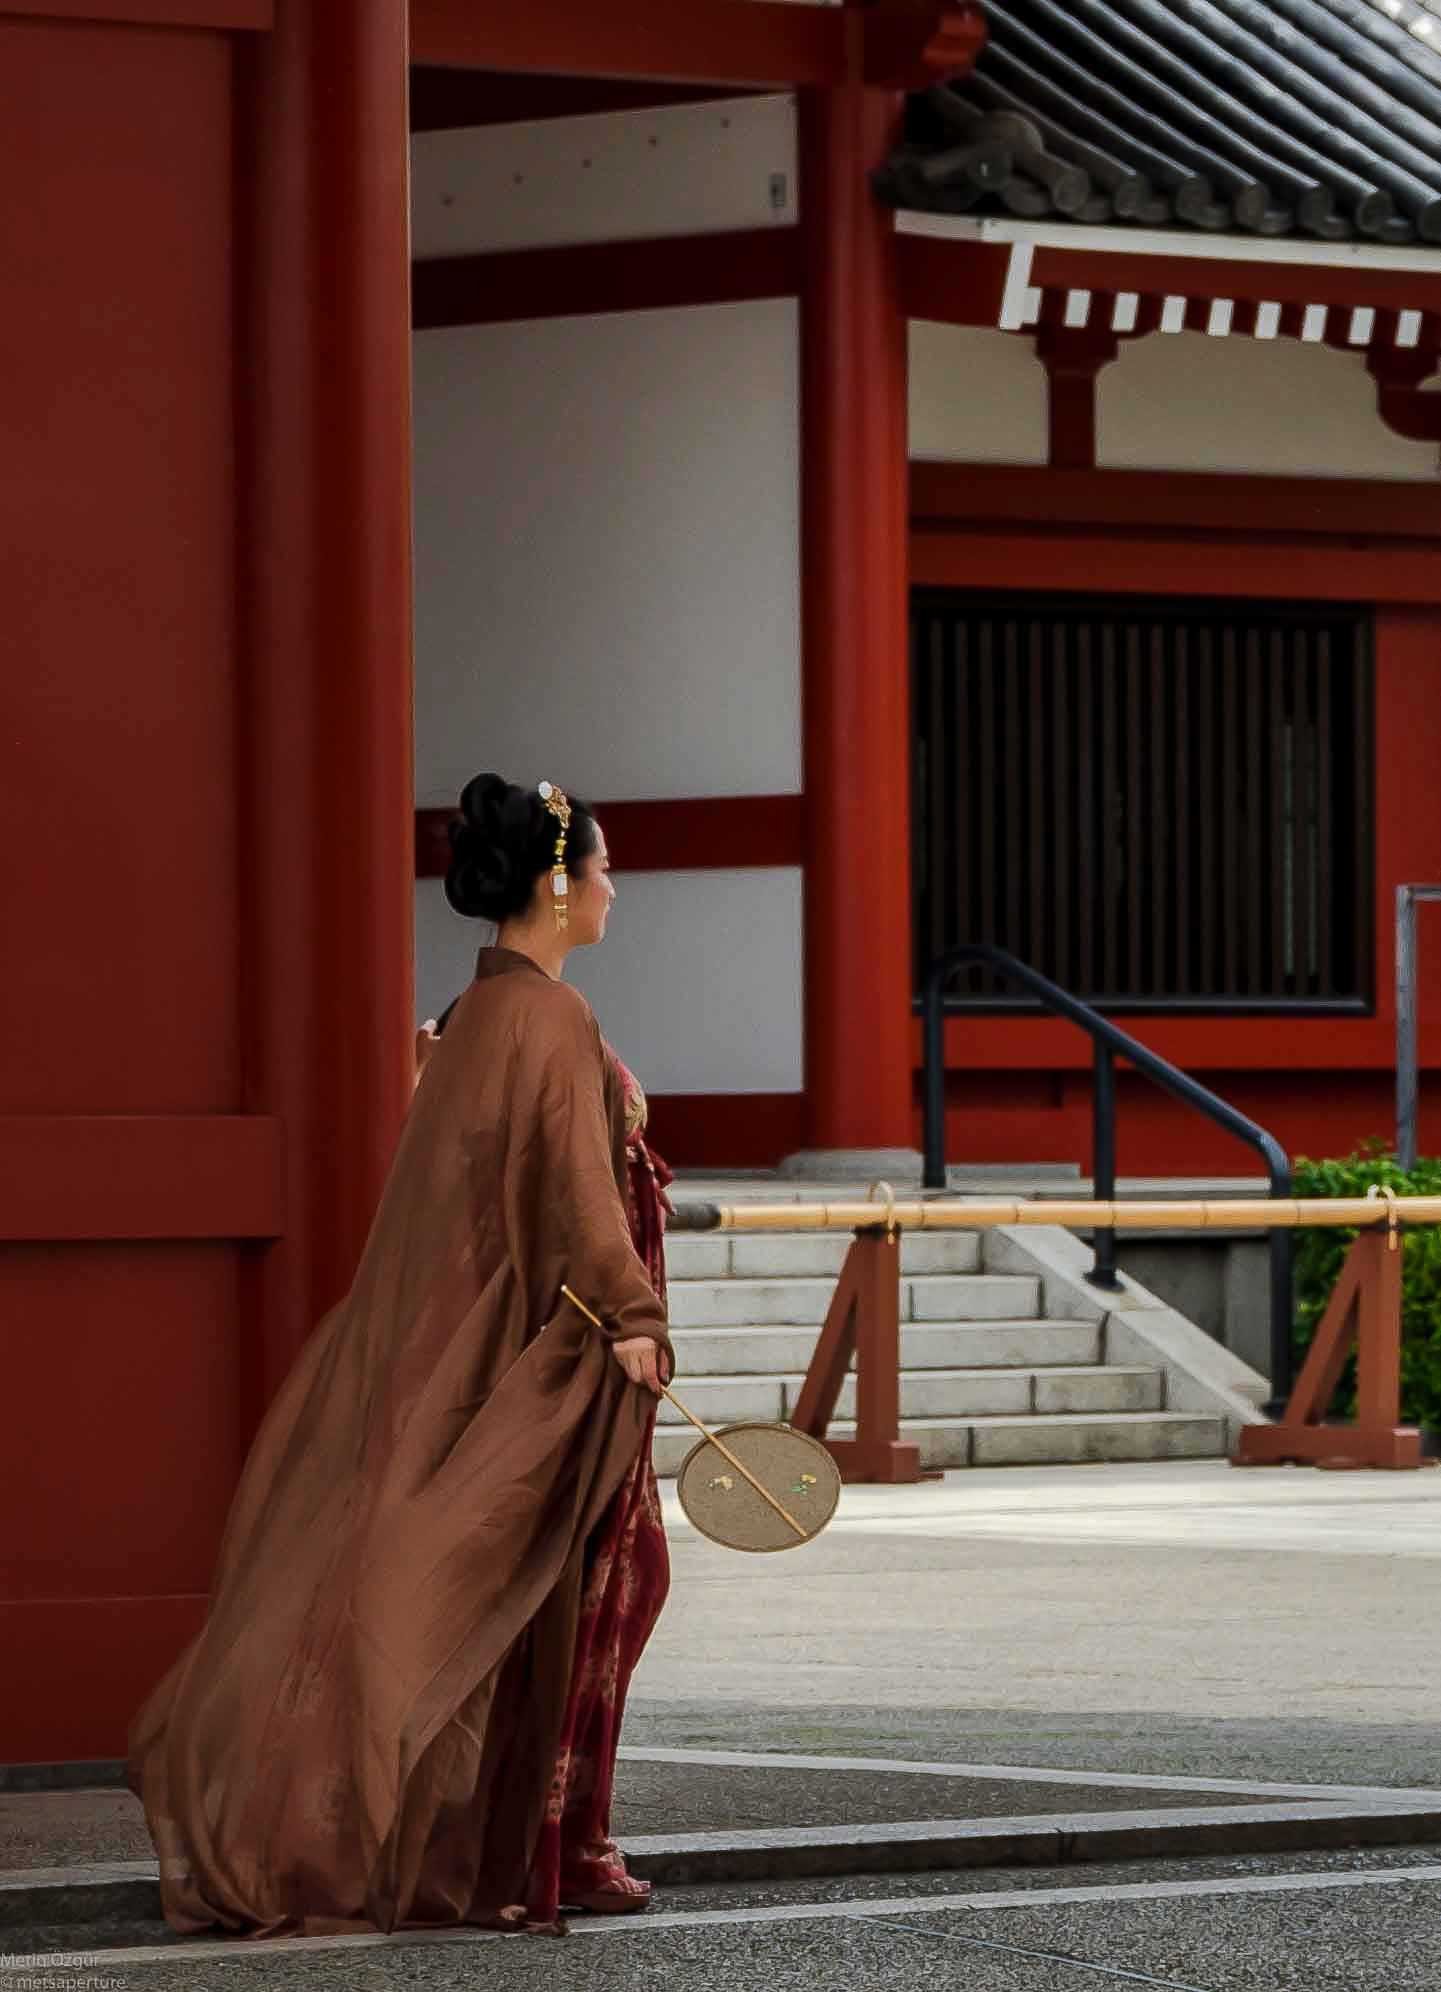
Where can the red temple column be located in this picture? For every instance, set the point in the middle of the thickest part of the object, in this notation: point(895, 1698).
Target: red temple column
point(326, 605)
point(854, 594)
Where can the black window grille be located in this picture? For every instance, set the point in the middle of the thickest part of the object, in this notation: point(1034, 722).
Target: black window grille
point(1158, 803)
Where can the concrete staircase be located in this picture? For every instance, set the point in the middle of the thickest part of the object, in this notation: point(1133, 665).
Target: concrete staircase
point(989, 1378)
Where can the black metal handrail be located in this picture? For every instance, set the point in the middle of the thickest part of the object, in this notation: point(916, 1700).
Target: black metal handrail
point(1110, 1044)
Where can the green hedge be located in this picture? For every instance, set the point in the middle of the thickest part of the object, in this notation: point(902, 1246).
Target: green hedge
point(1318, 1261)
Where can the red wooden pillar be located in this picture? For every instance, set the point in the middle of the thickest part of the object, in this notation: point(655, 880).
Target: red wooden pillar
point(856, 674)
point(325, 428)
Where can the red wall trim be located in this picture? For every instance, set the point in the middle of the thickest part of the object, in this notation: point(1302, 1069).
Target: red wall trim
point(709, 833)
point(1257, 1044)
point(726, 1130)
point(747, 42)
point(994, 495)
point(460, 99)
point(219, 14)
point(1200, 276)
point(890, 44)
point(78, 1668)
point(960, 283)
point(432, 842)
point(177, 1176)
point(1030, 1117)
point(1123, 561)
point(581, 279)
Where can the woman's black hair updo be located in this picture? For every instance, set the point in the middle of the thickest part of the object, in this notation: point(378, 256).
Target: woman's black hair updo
point(503, 841)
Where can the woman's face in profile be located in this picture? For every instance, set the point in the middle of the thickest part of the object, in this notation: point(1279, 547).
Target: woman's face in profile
point(591, 895)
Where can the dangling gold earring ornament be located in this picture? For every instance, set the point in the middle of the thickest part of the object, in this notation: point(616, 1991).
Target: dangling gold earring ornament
point(558, 803)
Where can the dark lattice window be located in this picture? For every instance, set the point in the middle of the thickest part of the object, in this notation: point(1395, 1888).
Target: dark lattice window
point(1156, 803)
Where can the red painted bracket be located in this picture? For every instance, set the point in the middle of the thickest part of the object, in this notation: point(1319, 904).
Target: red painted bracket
point(864, 1321)
point(1364, 1312)
point(1073, 356)
point(1400, 372)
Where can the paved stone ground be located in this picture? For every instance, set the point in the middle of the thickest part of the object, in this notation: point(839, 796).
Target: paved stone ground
point(1176, 1617)
point(54, 1829)
point(1305, 1924)
point(1176, 1621)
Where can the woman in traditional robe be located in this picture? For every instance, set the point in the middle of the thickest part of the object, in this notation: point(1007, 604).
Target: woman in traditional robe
point(445, 1553)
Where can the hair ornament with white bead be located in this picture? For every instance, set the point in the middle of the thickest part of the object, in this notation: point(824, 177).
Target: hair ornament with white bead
point(558, 803)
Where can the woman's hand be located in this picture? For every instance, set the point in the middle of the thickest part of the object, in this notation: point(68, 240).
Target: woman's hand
point(426, 1039)
point(643, 1361)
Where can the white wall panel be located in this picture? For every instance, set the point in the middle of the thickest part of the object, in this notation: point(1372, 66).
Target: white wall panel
point(697, 985)
point(976, 396)
point(682, 169)
point(445, 949)
point(1264, 406)
point(607, 540)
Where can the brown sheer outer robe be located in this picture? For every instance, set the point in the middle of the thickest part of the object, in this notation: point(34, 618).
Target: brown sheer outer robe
point(364, 1731)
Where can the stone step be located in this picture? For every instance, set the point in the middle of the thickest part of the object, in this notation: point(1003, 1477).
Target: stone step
point(803, 1303)
point(954, 1393)
point(970, 1345)
point(806, 1255)
point(1023, 1441)
point(1113, 1387)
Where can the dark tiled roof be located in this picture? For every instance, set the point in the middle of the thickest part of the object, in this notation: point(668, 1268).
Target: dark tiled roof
point(1269, 117)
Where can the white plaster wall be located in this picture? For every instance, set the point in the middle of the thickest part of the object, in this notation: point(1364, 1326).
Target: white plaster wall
point(976, 396)
point(608, 553)
point(445, 949)
point(683, 169)
point(697, 985)
point(608, 561)
point(1281, 407)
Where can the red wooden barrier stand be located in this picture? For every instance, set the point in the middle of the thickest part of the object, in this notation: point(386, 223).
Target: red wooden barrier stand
point(864, 1321)
point(1364, 1312)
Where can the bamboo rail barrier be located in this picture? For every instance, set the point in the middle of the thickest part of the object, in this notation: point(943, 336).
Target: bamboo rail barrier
point(863, 1323)
point(1201, 1214)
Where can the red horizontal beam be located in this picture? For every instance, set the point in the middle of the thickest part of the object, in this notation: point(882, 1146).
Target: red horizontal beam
point(1212, 277)
point(992, 494)
point(755, 43)
point(749, 44)
point(462, 99)
point(1212, 1043)
point(711, 833)
point(218, 14)
point(577, 280)
point(121, 1176)
point(960, 282)
point(726, 1130)
point(1311, 1113)
point(1130, 561)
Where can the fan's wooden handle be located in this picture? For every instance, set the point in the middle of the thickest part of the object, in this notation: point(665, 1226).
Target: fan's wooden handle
point(724, 1450)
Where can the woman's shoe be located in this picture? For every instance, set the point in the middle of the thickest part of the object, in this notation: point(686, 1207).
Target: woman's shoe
point(622, 1897)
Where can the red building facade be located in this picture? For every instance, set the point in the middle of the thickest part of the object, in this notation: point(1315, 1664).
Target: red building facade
point(208, 1000)
point(208, 997)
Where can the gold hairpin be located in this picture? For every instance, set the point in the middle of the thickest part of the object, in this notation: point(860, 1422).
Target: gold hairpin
point(558, 803)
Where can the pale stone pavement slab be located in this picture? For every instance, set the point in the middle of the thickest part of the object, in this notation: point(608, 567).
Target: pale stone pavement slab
point(1171, 1617)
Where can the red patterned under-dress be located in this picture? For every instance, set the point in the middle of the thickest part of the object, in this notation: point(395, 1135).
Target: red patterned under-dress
point(627, 1578)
